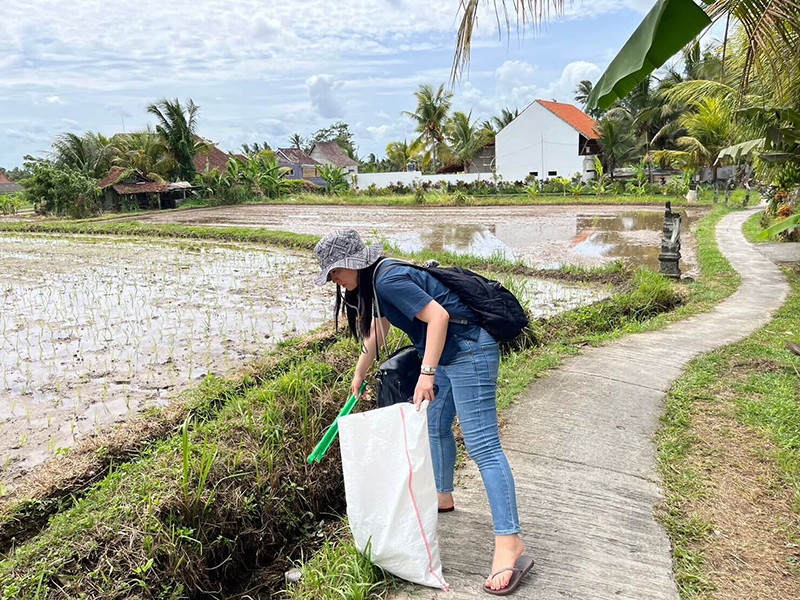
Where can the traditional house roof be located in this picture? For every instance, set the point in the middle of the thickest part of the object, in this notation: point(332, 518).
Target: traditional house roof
point(10, 188)
point(574, 117)
point(333, 152)
point(110, 179)
point(213, 159)
point(294, 156)
point(141, 187)
point(4, 179)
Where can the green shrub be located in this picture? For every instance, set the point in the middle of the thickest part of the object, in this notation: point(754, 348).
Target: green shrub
point(9, 205)
point(300, 186)
point(62, 191)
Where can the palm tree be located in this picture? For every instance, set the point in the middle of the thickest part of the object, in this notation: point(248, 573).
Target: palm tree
point(177, 126)
point(708, 130)
point(582, 91)
point(616, 141)
point(90, 153)
point(465, 139)
point(402, 153)
point(143, 152)
point(297, 141)
point(430, 117)
point(506, 116)
point(771, 29)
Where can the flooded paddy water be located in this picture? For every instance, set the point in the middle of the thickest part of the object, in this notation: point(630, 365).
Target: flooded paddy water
point(542, 236)
point(95, 329)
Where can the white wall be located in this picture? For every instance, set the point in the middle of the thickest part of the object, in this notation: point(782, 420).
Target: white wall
point(382, 180)
point(538, 141)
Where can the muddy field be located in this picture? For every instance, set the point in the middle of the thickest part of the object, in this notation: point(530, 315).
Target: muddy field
point(95, 329)
point(544, 236)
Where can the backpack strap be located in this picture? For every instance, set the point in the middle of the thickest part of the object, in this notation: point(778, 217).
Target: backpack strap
point(402, 263)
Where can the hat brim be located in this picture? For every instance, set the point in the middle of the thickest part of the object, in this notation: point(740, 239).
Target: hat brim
point(359, 260)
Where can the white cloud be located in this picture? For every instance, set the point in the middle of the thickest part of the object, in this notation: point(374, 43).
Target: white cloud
point(512, 73)
point(323, 100)
point(54, 100)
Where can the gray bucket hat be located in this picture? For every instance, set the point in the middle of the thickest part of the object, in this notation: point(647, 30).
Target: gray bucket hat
point(344, 249)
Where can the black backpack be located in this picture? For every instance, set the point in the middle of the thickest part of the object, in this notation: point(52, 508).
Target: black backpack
point(497, 310)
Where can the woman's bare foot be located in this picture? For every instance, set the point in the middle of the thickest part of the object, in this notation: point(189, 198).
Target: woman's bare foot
point(507, 549)
point(445, 501)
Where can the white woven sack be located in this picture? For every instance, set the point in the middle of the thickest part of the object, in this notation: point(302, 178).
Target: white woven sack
point(391, 493)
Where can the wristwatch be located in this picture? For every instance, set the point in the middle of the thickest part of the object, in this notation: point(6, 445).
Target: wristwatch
point(427, 370)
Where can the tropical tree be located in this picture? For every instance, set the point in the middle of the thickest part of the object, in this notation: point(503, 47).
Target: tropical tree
point(143, 152)
point(433, 106)
point(177, 126)
point(402, 153)
point(89, 153)
point(464, 138)
point(582, 92)
point(504, 118)
point(340, 133)
point(708, 130)
point(299, 142)
point(616, 140)
point(335, 179)
point(771, 30)
point(249, 150)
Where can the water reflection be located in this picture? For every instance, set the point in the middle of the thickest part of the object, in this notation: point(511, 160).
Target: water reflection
point(550, 240)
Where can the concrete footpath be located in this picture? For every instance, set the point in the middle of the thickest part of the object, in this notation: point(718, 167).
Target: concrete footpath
point(580, 442)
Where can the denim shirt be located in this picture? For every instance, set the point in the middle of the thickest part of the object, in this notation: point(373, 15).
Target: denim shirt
point(403, 291)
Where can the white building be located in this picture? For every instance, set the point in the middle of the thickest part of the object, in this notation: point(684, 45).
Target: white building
point(547, 139)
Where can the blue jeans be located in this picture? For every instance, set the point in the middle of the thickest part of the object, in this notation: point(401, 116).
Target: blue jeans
point(468, 387)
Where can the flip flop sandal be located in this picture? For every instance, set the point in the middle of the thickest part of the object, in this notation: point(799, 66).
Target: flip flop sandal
point(521, 568)
point(451, 509)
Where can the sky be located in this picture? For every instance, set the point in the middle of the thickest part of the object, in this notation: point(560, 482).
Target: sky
point(261, 71)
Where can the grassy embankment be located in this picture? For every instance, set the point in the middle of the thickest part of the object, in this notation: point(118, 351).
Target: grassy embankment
point(442, 199)
point(729, 454)
point(193, 511)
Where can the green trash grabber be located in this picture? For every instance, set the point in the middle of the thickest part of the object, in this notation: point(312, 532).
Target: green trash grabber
point(333, 430)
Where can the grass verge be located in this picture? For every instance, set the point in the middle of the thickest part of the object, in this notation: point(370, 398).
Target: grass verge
point(132, 228)
point(753, 227)
point(443, 199)
point(729, 455)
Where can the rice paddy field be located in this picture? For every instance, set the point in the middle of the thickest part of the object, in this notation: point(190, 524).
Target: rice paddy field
point(96, 329)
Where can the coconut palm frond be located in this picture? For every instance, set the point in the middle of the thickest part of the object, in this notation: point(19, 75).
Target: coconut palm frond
point(522, 13)
point(772, 28)
point(694, 90)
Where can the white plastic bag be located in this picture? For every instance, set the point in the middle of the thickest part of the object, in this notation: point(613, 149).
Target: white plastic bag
point(391, 493)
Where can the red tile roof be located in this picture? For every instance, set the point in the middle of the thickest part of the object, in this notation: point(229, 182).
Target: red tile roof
point(574, 117)
point(294, 156)
point(213, 159)
point(4, 179)
point(141, 188)
point(110, 179)
point(335, 154)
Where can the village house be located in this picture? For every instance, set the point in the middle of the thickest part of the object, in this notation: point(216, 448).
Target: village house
point(301, 164)
point(547, 139)
point(138, 191)
point(214, 158)
point(330, 153)
point(7, 186)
